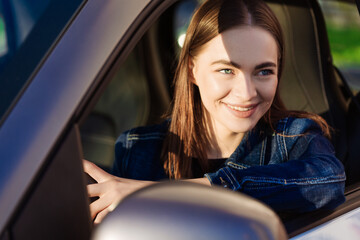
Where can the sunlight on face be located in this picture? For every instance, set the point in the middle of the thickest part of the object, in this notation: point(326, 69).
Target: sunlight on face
point(236, 73)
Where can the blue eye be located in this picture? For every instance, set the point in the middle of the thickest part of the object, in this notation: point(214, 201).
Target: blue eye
point(226, 71)
point(266, 72)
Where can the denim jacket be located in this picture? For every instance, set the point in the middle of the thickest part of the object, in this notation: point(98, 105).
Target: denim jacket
point(292, 169)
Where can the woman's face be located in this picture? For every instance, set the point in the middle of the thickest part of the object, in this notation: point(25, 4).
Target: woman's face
point(236, 73)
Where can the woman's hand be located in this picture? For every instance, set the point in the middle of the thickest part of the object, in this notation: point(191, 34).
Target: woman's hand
point(110, 190)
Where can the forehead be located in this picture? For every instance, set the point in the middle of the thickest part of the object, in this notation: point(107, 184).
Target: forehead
point(244, 45)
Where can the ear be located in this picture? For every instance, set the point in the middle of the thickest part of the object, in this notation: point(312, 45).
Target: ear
point(191, 70)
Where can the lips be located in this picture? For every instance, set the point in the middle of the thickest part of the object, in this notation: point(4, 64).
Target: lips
point(241, 109)
point(244, 111)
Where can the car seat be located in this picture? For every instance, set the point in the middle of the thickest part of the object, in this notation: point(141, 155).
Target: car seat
point(309, 80)
point(137, 95)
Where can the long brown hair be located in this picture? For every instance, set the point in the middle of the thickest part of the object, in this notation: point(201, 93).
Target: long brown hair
point(187, 136)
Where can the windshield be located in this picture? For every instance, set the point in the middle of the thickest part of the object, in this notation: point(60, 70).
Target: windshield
point(28, 29)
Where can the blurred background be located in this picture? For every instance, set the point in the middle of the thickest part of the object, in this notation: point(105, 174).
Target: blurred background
point(343, 26)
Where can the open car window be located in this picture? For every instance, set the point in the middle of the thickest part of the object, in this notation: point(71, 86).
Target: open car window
point(343, 27)
point(132, 99)
point(124, 104)
point(3, 40)
point(140, 88)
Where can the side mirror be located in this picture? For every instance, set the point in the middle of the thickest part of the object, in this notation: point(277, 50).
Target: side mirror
point(178, 210)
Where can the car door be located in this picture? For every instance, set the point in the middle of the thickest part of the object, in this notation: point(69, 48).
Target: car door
point(42, 193)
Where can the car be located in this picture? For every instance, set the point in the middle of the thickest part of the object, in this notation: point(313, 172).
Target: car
point(75, 74)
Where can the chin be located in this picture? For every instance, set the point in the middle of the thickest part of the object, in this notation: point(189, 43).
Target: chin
point(243, 128)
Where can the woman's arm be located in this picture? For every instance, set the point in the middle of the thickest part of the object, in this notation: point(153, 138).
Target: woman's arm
point(111, 189)
point(313, 180)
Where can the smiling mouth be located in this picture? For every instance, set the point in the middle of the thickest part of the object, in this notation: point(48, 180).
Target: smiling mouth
point(240, 109)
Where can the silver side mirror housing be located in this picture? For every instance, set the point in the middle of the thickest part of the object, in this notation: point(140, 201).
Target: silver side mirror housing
point(178, 210)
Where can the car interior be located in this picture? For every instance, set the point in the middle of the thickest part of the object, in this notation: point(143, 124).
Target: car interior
point(140, 93)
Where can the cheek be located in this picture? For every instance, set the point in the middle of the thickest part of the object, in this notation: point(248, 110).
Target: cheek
point(268, 90)
point(211, 87)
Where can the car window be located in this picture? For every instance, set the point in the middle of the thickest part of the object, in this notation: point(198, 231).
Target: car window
point(3, 41)
point(182, 16)
point(343, 27)
point(138, 89)
point(28, 29)
point(138, 92)
point(123, 105)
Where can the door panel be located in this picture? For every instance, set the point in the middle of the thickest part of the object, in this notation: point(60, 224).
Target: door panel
point(57, 207)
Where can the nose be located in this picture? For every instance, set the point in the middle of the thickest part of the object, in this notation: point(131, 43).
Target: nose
point(244, 87)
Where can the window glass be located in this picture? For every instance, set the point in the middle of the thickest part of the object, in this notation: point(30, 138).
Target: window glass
point(182, 17)
point(3, 41)
point(28, 29)
point(17, 18)
point(343, 27)
point(123, 105)
point(183, 14)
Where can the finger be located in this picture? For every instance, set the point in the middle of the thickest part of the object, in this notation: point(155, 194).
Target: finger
point(101, 215)
point(96, 189)
point(95, 172)
point(99, 205)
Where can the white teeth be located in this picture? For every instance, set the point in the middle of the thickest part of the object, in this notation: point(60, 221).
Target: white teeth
point(239, 108)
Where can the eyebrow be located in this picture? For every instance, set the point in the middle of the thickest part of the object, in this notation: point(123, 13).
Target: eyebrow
point(233, 64)
point(265, 65)
point(226, 62)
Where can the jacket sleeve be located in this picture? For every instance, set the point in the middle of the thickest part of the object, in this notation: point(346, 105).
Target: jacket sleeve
point(121, 161)
point(138, 151)
point(312, 178)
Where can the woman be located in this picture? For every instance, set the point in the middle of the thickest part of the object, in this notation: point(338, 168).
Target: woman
point(228, 125)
